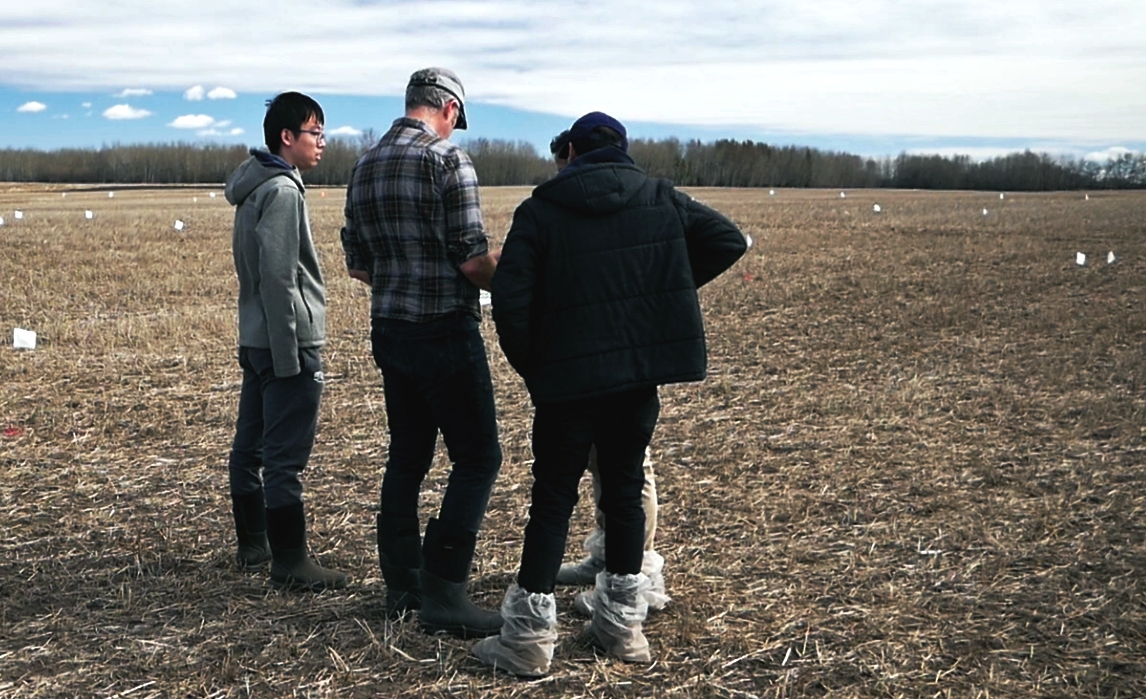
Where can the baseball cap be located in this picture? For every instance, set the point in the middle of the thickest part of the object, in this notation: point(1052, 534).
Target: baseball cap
point(559, 146)
point(446, 80)
point(582, 129)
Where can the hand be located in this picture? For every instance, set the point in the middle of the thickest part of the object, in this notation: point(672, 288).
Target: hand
point(360, 274)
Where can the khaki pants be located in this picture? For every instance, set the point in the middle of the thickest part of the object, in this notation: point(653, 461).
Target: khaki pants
point(648, 497)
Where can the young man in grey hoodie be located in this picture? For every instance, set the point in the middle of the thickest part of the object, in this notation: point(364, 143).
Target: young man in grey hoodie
point(282, 328)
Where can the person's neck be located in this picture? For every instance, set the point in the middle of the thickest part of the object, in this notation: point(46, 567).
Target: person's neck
point(431, 118)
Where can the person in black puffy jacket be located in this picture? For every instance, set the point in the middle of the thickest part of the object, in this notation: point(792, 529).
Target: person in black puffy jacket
point(595, 303)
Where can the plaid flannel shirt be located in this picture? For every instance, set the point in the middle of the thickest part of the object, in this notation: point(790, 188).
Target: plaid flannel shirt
point(413, 216)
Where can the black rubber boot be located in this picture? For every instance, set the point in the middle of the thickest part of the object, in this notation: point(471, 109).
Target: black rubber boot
point(251, 530)
point(292, 567)
point(446, 604)
point(400, 558)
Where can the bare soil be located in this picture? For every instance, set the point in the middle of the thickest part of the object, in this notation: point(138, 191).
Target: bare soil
point(915, 470)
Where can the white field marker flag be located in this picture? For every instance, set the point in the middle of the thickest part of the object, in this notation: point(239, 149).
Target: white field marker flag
point(876, 208)
point(1088, 197)
point(64, 195)
point(1001, 196)
point(194, 200)
point(178, 225)
point(111, 195)
point(843, 195)
point(1110, 257)
point(1, 220)
point(771, 192)
point(88, 215)
point(23, 339)
point(1080, 259)
point(18, 215)
point(984, 212)
point(212, 195)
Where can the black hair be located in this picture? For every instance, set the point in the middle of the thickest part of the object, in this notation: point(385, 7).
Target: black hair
point(559, 146)
point(599, 137)
point(288, 110)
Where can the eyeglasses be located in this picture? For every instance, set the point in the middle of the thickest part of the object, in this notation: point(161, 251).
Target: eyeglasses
point(319, 137)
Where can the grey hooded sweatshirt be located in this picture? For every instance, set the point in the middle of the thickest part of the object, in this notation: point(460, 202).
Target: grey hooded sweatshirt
point(282, 297)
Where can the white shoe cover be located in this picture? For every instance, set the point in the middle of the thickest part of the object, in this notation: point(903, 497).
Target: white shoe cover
point(595, 544)
point(653, 566)
point(619, 607)
point(528, 635)
point(585, 571)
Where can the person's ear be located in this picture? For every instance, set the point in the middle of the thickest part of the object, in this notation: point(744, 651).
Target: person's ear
point(572, 153)
point(286, 138)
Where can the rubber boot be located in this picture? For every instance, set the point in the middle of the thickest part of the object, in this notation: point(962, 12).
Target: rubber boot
point(251, 530)
point(585, 571)
point(528, 637)
point(619, 609)
point(400, 558)
point(292, 567)
point(446, 605)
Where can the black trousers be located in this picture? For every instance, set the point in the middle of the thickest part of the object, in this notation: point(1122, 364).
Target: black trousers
point(621, 425)
point(275, 430)
point(436, 379)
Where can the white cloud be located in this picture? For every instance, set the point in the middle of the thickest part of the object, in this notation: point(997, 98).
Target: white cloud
point(213, 131)
point(125, 111)
point(223, 123)
point(133, 92)
point(972, 68)
point(86, 105)
point(193, 121)
point(222, 93)
point(32, 107)
point(1112, 153)
point(345, 131)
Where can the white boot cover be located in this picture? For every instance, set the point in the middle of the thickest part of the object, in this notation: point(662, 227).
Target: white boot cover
point(528, 635)
point(653, 566)
point(619, 607)
point(585, 571)
point(595, 545)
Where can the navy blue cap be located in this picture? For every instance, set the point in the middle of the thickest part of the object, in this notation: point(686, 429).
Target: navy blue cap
point(582, 129)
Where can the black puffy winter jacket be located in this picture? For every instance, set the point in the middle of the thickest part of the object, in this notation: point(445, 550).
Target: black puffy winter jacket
point(595, 291)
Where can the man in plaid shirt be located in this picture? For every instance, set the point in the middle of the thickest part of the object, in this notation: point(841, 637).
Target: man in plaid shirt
point(414, 233)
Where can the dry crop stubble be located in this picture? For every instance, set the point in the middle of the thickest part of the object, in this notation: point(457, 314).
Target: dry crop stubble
point(915, 469)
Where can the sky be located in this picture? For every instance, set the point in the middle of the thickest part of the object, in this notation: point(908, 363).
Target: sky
point(871, 77)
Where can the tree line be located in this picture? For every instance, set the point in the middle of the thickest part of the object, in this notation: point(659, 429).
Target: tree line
point(722, 163)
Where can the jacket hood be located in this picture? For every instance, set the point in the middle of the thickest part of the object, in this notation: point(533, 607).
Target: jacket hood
point(599, 182)
point(260, 167)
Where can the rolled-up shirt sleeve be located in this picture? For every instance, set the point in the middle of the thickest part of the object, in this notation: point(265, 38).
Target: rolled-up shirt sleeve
point(462, 203)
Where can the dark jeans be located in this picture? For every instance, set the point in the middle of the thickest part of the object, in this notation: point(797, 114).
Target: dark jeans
point(275, 430)
point(621, 425)
point(436, 378)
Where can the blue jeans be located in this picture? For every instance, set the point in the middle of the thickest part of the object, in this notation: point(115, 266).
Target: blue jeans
point(275, 430)
point(621, 426)
point(436, 379)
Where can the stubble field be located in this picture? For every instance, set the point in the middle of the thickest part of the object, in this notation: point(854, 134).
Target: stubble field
point(916, 468)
